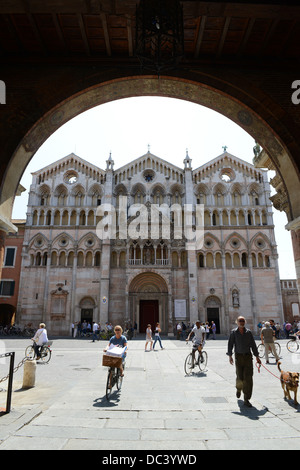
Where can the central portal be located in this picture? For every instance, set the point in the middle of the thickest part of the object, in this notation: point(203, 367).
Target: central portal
point(149, 313)
point(149, 301)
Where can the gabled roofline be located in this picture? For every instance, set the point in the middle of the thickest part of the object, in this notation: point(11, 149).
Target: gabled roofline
point(149, 155)
point(229, 156)
point(63, 159)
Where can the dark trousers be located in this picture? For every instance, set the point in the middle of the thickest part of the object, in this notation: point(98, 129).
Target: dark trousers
point(244, 374)
point(37, 350)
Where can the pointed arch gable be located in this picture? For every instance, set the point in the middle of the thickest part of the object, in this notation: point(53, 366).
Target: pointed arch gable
point(259, 235)
point(239, 237)
point(61, 236)
point(36, 237)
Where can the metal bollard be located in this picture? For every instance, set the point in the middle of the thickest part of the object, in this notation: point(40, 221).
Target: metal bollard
point(29, 374)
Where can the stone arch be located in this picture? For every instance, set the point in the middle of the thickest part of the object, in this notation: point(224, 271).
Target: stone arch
point(150, 280)
point(212, 305)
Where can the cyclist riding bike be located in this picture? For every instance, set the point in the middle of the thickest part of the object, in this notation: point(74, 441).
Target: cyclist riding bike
point(199, 339)
point(40, 338)
point(121, 341)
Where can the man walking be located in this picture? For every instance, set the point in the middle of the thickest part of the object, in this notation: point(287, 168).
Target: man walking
point(242, 340)
point(267, 338)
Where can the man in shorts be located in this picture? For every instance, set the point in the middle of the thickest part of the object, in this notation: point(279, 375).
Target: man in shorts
point(199, 339)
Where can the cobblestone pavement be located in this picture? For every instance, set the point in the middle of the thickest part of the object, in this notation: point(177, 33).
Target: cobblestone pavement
point(159, 407)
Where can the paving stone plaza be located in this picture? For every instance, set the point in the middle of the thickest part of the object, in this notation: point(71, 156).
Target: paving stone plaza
point(159, 407)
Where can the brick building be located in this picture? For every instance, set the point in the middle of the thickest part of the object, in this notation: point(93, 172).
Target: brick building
point(9, 279)
point(290, 299)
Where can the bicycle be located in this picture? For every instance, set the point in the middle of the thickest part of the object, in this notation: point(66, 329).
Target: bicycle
point(293, 344)
point(45, 352)
point(200, 361)
point(114, 376)
point(261, 350)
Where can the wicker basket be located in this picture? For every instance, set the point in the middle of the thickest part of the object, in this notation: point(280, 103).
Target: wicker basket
point(110, 361)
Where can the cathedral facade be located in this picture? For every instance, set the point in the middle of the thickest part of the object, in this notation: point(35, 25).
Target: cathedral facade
point(115, 245)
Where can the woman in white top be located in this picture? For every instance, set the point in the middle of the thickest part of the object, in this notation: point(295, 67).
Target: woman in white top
point(40, 338)
point(157, 337)
point(148, 337)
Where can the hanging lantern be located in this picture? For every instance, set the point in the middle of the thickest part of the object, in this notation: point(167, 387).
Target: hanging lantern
point(159, 34)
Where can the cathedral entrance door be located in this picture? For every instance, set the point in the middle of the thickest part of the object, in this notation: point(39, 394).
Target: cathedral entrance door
point(87, 315)
point(149, 313)
point(213, 314)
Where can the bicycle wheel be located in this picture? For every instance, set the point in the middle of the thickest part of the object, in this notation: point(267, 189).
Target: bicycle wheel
point(45, 355)
point(202, 360)
point(109, 383)
point(29, 353)
point(188, 365)
point(119, 378)
point(261, 350)
point(292, 346)
point(277, 348)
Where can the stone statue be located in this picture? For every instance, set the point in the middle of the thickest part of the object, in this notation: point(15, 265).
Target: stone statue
point(235, 299)
point(256, 149)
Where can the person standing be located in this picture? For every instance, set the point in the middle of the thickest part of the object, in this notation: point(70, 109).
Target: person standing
point(213, 329)
point(207, 328)
point(267, 338)
point(287, 328)
point(149, 337)
point(178, 330)
point(95, 331)
point(157, 337)
point(242, 340)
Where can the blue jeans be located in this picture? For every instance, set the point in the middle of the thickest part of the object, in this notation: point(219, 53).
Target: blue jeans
point(157, 337)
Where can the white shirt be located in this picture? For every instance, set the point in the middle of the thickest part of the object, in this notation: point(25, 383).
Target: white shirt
point(41, 337)
point(198, 332)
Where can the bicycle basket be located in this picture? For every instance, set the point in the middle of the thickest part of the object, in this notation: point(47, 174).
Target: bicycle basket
point(110, 361)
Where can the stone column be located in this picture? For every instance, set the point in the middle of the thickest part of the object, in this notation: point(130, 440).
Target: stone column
point(190, 246)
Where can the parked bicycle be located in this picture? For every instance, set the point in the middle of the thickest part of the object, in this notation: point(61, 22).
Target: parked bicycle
point(45, 354)
point(261, 350)
point(293, 344)
point(200, 361)
point(105, 335)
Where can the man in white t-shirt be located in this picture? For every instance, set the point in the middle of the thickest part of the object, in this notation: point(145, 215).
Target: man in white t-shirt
point(199, 338)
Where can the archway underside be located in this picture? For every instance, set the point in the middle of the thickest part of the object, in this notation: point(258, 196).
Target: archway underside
point(202, 94)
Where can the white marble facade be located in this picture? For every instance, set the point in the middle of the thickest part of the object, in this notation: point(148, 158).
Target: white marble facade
point(70, 274)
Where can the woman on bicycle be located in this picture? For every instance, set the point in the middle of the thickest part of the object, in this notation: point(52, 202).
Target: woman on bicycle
point(40, 338)
point(121, 341)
